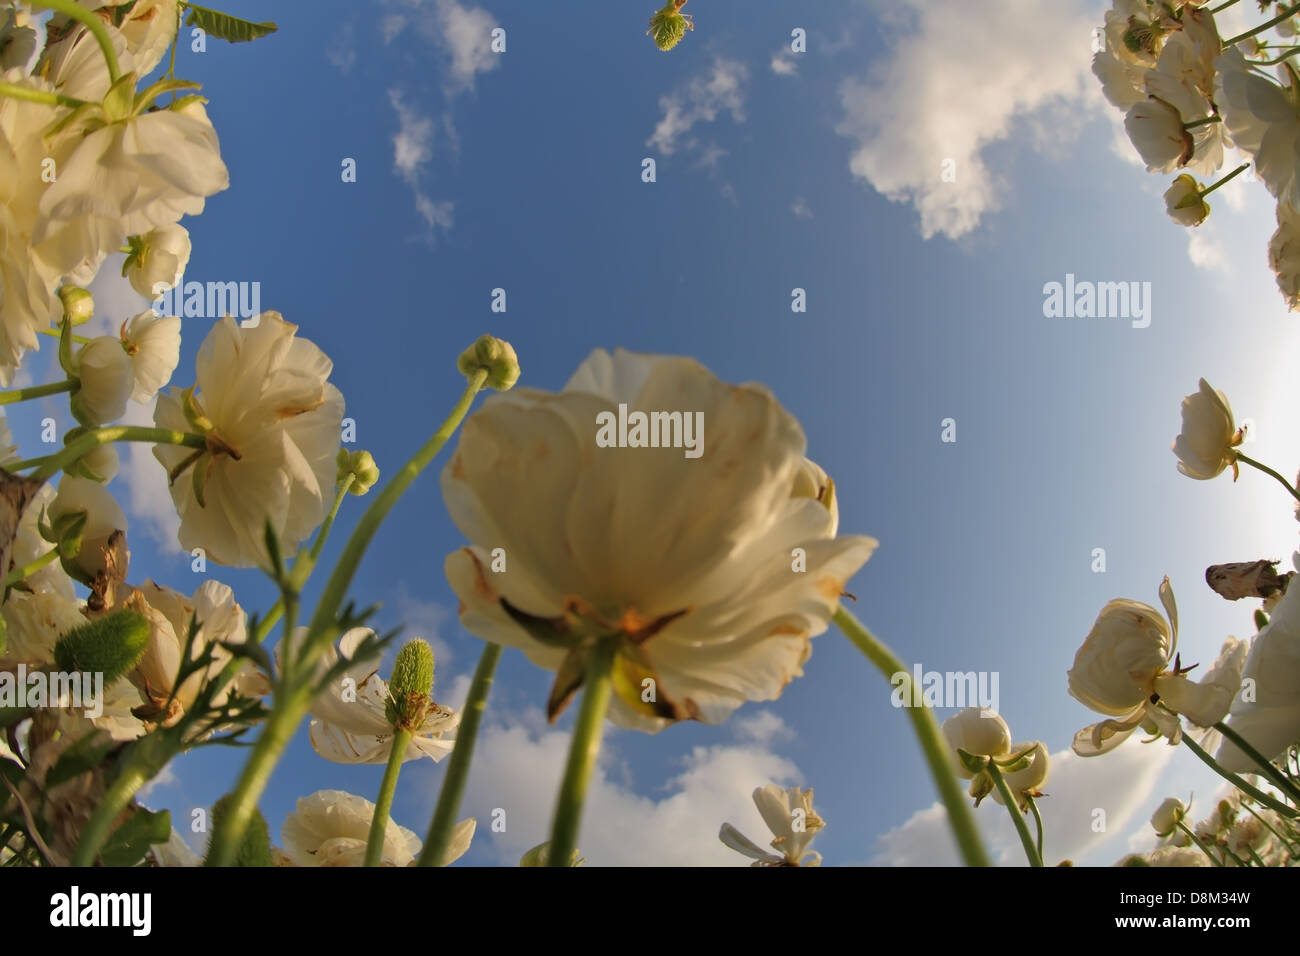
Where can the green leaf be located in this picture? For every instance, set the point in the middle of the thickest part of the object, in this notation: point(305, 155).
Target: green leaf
point(224, 26)
point(131, 841)
point(83, 755)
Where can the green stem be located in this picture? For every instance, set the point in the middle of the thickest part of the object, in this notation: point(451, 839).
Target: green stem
point(1237, 782)
point(1269, 471)
point(37, 391)
point(1270, 828)
point(1226, 179)
point(1203, 122)
point(302, 566)
point(932, 742)
point(17, 92)
point(583, 749)
point(79, 447)
point(1276, 776)
point(1200, 845)
point(1018, 818)
point(290, 708)
point(56, 334)
point(1286, 14)
point(30, 568)
point(107, 808)
point(1274, 62)
point(1223, 6)
point(453, 784)
point(379, 822)
point(1038, 822)
point(92, 23)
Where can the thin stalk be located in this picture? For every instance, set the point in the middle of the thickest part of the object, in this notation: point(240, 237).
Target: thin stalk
point(1237, 782)
point(379, 822)
point(1018, 818)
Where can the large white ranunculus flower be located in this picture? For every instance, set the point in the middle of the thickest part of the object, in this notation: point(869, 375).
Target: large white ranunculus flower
point(158, 260)
point(153, 346)
point(789, 814)
point(219, 620)
point(1184, 80)
point(1122, 671)
point(104, 370)
point(1269, 717)
point(980, 732)
point(330, 828)
point(1205, 446)
point(1263, 120)
point(1155, 127)
point(272, 422)
point(714, 570)
point(349, 722)
point(1284, 254)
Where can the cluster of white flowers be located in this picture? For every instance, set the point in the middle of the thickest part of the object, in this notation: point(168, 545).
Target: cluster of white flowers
point(1191, 96)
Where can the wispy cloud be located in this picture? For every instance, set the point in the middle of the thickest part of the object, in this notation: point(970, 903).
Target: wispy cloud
point(783, 64)
point(701, 100)
point(142, 481)
point(342, 53)
point(800, 208)
point(956, 82)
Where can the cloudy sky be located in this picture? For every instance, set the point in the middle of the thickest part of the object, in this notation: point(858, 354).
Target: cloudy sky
point(921, 171)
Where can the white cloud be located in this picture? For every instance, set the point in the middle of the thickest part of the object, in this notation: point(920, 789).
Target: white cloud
point(701, 100)
point(424, 619)
point(343, 52)
point(413, 143)
point(517, 769)
point(1117, 784)
point(957, 82)
point(1205, 249)
point(800, 208)
point(462, 34)
point(115, 299)
point(783, 64)
point(148, 500)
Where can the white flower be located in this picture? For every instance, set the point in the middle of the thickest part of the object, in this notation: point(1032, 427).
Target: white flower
point(99, 464)
point(1170, 856)
point(1028, 780)
point(690, 559)
point(17, 40)
point(219, 620)
point(35, 622)
point(1269, 718)
point(330, 828)
point(103, 517)
point(789, 814)
point(104, 370)
point(8, 449)
point(1263, 120)
point(349, 723)
point(1205, 445)
point(1167, 816)
point(1284, 255)
point(153, 346)
point(1156, 129)
point(148, 28)
point(1184, 81)
point(1122, 671)
point(158, 260)
point(978, 731)
point(29, 545)
point(273, 438)
point(128, 177)
point(1183, 202)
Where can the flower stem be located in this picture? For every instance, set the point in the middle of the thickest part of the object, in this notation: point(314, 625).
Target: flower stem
point(1286, 14)
point(1237, 782)
point(1200, 845)
point(453, 784)
point(1269, 471)
point(583, 749)
point(1203, 122)
point(30, 568)
point(1275, 61)
point(1223, 6)
point(97, 830)
point(1276, 776)
point(1018, 818)
point(290, 707)
point(56, 334)
point(932, 743)
point(1038, 821)
point(92, 23)
point(1270, 828)
point(379, 822)
point(1226, 179)
point(37, 391)
point(18, 92)
point(76, 449)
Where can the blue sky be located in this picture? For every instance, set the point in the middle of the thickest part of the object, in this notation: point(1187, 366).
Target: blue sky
point(775, 170)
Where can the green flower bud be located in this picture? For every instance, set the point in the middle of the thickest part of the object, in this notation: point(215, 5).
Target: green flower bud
point(255, 850)
point(537, 856)
point(361, 466)
point(495, 355)
point(669, 25)
point(111, 645)
point(78, 304)
point(411, 685)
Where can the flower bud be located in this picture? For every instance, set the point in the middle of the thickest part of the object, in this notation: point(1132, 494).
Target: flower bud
point(1184, 203)
point(494, 355)
point(100, 464)
point(255, 848)
point(78, 304)
point(361, 466)
point(111, 645)
point(104, 370)
point(977, 732)
point(411, 685)
point(537, 856)
point(157, 260)
point(1167, 816)
point(669, 25)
